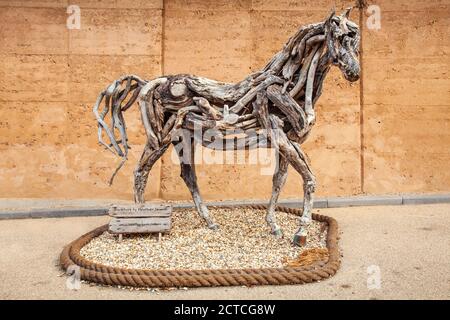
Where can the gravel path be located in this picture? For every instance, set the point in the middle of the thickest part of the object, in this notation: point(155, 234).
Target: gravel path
point(242, 241)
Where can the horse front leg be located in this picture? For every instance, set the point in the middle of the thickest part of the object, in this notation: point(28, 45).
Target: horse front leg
point(309, 187)
point(278, 181)
point(186, 155)
point(293, 154)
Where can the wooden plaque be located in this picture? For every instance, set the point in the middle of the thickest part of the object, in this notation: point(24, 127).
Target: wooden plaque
point(150, 218)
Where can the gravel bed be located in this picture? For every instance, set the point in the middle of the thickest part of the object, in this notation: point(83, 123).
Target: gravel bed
point(242, 241)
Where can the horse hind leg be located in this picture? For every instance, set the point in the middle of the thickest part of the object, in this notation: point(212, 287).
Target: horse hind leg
point(148, 158)
point(278, 180)
point(186, 155)
point(189, 177)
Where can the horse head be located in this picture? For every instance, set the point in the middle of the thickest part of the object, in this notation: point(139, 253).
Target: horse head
point(342, 37)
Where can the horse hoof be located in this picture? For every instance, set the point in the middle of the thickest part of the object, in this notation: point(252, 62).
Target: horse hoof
point(299, 240)
point(213, 226)
point(277, 233)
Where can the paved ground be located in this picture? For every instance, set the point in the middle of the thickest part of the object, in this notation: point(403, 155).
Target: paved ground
point(18, 204)
point(409, 244)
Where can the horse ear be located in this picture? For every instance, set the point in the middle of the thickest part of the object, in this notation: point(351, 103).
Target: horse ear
point(330, 16)
point(346, 12)
point(344, 18)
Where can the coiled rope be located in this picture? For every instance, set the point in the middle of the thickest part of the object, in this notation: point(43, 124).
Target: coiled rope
point(107, 275)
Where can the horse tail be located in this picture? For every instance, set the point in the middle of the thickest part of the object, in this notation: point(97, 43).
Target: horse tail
point(118, 97)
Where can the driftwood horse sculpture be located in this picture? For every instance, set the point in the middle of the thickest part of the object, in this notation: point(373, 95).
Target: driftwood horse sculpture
point(277, 100)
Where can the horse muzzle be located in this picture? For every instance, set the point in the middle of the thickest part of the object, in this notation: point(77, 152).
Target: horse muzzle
point(350, 68)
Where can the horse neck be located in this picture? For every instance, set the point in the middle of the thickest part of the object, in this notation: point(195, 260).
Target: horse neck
point(322, 70)
point(320, 75)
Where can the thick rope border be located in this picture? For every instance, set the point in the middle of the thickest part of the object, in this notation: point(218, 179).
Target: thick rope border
point(106, 275)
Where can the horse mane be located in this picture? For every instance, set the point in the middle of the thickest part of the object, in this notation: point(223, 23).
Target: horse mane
point(293, 61)
point(291, 49)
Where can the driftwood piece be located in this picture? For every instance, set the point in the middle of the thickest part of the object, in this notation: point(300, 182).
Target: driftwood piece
point(216, 91)
point(241, 103)
point(146, 104)
point(309, 110)
point(206, 108)
point(303, 74)
point(290, 108)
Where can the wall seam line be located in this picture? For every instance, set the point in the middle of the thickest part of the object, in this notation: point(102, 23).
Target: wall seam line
point(361, 95)
point(163, 31)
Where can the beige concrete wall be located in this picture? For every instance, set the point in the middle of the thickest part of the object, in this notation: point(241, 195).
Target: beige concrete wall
point(407, 98)
point(50, 77)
